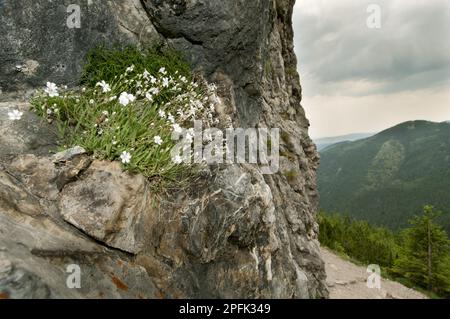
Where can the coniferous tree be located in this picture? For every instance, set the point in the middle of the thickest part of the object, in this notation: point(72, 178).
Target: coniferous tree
point(424, 255)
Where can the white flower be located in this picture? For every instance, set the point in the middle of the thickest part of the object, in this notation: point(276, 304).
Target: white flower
point(105, 86)
point(126, 98)
point(154, 91)
point(171, 118)
point(162, 70)
point(149, 96)
point(91, 101)
point(158, 140)
point(177, 128)
point(165, 82)
point(15, 115)
point(162, 114)
point(177, 159)
point(51, 89)
point(130, 69)
point(105, 113)
point(125, 157)
point(114, 142)
point(146, 74)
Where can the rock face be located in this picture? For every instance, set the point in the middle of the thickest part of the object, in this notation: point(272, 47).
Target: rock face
point(29, 135)
point(48, 40)
point(235, 234)
point(109, 205)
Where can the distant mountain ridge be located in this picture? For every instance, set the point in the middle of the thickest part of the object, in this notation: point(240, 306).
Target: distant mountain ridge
point(324, 142)
point(387, 178)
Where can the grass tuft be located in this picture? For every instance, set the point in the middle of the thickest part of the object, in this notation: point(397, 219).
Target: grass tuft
point(131, 103)
point(103, 64)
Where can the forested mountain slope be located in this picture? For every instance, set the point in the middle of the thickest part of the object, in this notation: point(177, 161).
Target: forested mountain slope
point(389, 177)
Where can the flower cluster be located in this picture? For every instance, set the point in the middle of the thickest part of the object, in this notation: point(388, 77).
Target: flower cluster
point(132, 117)
point(51, 89)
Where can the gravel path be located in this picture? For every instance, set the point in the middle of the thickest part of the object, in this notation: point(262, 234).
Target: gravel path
point(346, 280)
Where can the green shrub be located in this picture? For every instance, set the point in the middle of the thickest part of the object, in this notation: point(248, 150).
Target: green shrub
point(358, 239)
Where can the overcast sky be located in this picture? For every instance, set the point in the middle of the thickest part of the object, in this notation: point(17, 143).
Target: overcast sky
point(361, 79)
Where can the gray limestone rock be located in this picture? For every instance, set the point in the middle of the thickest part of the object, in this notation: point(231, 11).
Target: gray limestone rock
point(236, 233)
point(48, 40)
point(109, 205)
point(29, 135)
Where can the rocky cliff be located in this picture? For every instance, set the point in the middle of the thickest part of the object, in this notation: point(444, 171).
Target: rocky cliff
point(235, 234)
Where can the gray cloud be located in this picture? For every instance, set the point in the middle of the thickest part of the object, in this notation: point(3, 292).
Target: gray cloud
point(335, 47)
